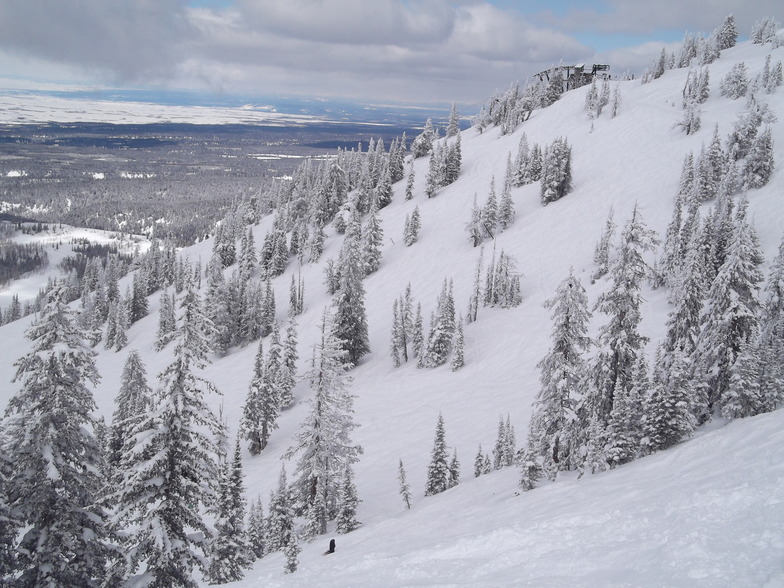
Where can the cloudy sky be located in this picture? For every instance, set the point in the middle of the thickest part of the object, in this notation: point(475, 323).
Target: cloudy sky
point(377, 50)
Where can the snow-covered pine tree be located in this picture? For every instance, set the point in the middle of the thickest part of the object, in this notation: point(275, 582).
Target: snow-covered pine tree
point(727, 34)
point(346, 518)
point(418, 338)
point(324, 442)
point(280, 518)
point(771, 339)
point(506, 211)
point(764, 31)
point(554, 424)
point(405, 489)
point(414, 224)
point(691, 122)
point(729, 316)
point(667, 410)
point(453, 478)
point(230, 551)
point(262, 407)
point(625, 418)
point(488, 217)
point(474, 226)
point(111, 325)
point(736, 83)
point(132, 403)
point(458, 351)
point(743, 398)
point(257, 531)
point(287, 374)
point(9, 524)
point(350, 319)
point(248, 257)
point(556, 172)
point(395, 336)
point(617, 100)
point(620, 341)
point(473, 301)
point(454, 122)
point(410, 181)
point(423, 143)
point(442, 328)
point(291, 551)
point(479, 462)
point(372, 238)
point(56, 465)
point(759, 161)
point(121, 323)
point(168, 467)
point(438, 469)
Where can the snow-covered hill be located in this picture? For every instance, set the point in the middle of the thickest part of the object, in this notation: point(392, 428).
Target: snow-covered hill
point(708, 512)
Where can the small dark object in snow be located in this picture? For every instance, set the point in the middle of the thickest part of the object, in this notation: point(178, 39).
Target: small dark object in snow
point(331, 547)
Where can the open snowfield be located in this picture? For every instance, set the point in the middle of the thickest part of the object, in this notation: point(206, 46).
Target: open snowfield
point(709, 512)
point(58, 241)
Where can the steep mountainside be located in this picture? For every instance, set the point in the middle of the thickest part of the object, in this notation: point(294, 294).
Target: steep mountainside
point(707, 512)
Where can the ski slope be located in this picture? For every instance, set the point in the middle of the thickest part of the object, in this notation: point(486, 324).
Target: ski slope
point(706, 513)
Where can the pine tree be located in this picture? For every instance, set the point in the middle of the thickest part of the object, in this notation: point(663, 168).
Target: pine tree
point(453, 478)
point(620, 341)
point(624, 423)
point(9, 524)
point(287, 375)
point(729, 317)
point(442, 329)
point(413, 225)
point(668, 409)
point(230, 551)
point(55, 474)
point(257, 528)
point(454, 122)
point(556, 171)
point(759, 162)
point(727, 34)
point(489, 213)
point(347, 504)
point(438, 470)
point(350, 320)
point(405, 489)
point(291, 551)
point(506, 211)
point(280, 519)
point(372, 238)
point(132, 404)
point(248, 258)
point(262, 407)
point(458, 354)
point(771, 338)
point(324, 442)
point(418, 338)
point(394, 343)
point(554, 423)
point(168, 466)
point(410, 181)
point(736, 83)
point(479, 462)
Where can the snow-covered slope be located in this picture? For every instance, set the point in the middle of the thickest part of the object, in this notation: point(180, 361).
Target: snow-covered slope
point(706, 513)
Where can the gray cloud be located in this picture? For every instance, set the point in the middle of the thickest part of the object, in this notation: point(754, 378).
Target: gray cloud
point(130, 39)
point(421, 50)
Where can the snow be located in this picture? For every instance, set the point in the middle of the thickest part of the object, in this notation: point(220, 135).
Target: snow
point(30, 108)
point(708, 512)
point(57, 241)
